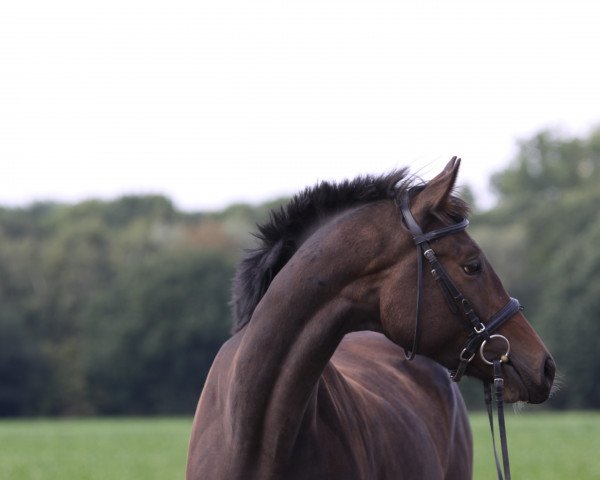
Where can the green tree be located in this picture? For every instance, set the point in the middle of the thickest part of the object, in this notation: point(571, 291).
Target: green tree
point(112, 306)
point(153, 335)
point(543, 238)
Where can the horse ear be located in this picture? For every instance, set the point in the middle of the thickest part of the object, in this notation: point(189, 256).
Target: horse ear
point(437, 191)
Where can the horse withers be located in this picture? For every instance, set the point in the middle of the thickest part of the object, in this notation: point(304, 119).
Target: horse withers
point(314, 382)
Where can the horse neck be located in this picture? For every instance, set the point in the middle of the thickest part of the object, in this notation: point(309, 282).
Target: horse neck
point(293, 333)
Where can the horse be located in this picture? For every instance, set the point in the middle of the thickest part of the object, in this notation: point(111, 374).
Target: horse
point(315, 381)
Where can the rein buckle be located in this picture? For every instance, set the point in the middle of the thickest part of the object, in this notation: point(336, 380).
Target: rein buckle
point(462, 357)
point(479, 328)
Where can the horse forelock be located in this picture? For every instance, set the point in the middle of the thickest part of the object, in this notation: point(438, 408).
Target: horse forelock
point(280, 237)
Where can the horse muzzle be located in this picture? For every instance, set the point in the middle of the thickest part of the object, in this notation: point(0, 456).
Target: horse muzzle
point(529, 384)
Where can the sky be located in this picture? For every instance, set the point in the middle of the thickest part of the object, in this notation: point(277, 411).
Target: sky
point(215, 102)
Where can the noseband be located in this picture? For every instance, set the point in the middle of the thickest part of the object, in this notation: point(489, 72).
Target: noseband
point(480, 333)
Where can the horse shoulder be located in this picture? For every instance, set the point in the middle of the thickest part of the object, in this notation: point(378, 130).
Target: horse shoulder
point(409, 416)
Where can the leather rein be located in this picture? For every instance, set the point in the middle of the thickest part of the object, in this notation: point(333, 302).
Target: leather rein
point(480, 333)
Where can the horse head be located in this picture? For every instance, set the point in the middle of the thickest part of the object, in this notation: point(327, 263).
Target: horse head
point(355, 242)
point(448, 324)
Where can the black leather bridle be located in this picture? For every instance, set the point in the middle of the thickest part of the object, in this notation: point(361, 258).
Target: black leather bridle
point(480, 333)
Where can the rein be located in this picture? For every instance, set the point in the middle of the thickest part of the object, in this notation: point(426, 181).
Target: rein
point(480, 334)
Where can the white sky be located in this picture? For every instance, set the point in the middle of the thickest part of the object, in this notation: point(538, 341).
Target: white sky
point(211, 102)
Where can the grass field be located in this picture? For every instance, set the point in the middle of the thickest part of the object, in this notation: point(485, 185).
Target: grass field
point(94, 449)
point(549, 446)
point(542, 446)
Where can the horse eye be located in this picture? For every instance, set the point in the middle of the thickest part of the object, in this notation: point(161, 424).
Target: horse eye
point(472, 268)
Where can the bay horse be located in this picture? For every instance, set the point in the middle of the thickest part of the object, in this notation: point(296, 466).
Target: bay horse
point(314, 382)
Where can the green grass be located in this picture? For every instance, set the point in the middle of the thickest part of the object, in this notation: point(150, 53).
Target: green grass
point(549, 446)
point(542, 445)
point(94, 449)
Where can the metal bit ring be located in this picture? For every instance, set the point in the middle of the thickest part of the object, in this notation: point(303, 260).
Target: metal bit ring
point(503, 358)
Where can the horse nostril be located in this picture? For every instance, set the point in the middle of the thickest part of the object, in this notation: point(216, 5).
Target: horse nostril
point(549, 370)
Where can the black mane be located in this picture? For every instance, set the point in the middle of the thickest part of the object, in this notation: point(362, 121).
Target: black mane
point(279, 237)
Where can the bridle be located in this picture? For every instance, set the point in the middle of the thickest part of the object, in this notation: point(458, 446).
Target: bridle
point(458, 304)
point(479, 333)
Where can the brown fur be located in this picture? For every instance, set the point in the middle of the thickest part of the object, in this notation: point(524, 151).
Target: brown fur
point(295, 394)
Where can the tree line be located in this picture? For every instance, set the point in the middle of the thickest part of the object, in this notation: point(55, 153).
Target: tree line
point(543, 237)
point(118, 307)
point(113, 307)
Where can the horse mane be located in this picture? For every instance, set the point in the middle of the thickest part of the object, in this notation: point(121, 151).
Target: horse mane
point(281, 236)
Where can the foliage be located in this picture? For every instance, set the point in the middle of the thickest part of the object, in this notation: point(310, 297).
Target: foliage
point(543, 238)
point(119, 307)
point(111, 307)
